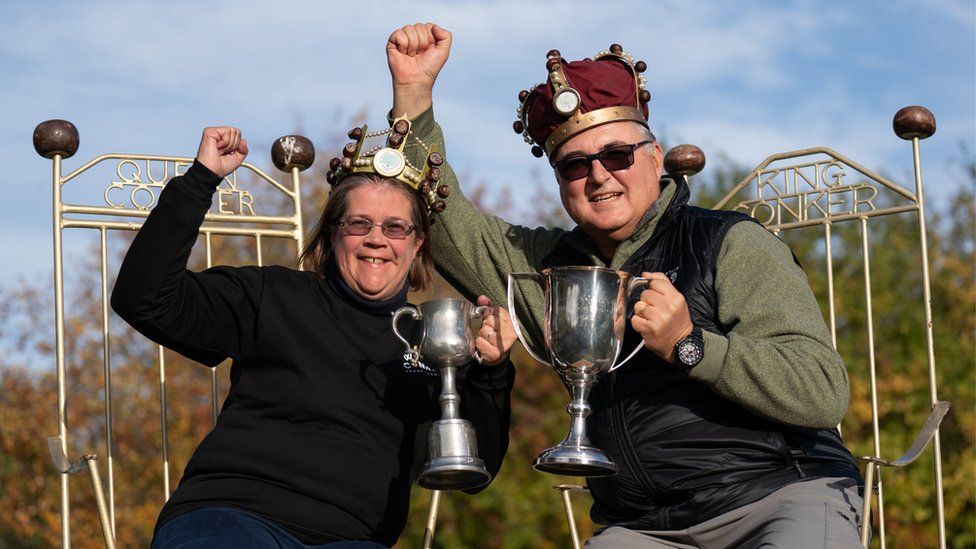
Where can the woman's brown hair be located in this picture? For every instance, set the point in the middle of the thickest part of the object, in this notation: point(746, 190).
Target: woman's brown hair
point(318, 247)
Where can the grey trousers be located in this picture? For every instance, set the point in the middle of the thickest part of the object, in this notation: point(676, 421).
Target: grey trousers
point(819, 513)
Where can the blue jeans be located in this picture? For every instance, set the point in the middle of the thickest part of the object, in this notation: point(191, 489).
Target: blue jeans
point(222, 528)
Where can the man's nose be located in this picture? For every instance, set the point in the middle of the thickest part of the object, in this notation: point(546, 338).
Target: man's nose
point(598, 173)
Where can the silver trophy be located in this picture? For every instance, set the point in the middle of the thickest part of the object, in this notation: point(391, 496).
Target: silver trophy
point(447, 342)
point(583, 332)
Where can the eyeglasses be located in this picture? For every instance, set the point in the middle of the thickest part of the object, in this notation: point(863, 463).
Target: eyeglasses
point(396, 230)
point(613, 159)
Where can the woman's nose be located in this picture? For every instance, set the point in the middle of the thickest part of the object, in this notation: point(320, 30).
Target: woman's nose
point(375, 236)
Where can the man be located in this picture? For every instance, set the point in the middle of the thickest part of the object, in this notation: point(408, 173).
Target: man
point(723, 426)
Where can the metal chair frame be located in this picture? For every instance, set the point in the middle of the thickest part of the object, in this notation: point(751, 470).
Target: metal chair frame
point(58, 140)
point(784, 198)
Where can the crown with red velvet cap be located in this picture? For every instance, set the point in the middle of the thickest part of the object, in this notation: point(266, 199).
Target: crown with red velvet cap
point(580, 95)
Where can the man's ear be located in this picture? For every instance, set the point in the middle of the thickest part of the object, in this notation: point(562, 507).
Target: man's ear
point(658, 155)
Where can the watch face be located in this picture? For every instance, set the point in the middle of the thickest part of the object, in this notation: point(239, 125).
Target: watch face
point(689, 352)
point(388, 162)
point(566, 101)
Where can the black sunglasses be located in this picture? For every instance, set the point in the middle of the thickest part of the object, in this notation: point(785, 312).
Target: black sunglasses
point(613, 159)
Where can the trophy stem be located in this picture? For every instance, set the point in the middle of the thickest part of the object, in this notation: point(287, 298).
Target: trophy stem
point(574, 455)
point(449, 395)
point(579, 409)
point(452, 462)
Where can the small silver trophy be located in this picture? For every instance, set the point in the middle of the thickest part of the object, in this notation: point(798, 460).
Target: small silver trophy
point(447, 342)
point(583, 332)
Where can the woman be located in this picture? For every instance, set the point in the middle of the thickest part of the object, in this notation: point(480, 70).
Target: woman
point(324, 428)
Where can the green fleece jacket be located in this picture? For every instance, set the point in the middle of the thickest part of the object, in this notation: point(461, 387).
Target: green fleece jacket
point(777, 360)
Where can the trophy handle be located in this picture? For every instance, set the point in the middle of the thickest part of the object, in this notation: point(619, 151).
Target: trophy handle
point(633, 285)
point(411, 350)
point(477, 312)
point(512, 277)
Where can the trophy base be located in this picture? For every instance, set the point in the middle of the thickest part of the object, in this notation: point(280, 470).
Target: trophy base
point(454, 473)
point(575, 461)
point(453, 462)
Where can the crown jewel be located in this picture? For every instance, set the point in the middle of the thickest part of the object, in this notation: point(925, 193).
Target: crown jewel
point(382, 153)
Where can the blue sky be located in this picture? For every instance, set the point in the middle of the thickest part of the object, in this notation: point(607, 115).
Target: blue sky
point(744, 78)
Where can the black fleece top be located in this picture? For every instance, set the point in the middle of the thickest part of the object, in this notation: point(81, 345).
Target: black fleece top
point(325, 427)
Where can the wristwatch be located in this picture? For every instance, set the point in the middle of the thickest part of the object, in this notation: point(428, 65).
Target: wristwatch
point(689, 351)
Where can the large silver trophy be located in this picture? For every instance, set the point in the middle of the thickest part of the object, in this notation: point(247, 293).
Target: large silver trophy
point(583, 332)
point(446, 343)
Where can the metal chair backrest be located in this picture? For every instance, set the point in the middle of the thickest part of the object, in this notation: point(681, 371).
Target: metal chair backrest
point(820, 190)
point(113, 193)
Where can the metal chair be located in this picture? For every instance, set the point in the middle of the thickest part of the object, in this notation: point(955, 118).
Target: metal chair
point(782, 194)
point(131, 194)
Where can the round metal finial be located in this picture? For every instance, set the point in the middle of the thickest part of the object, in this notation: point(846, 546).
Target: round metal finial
point(292, 151)
point(53, 137)
point(914, 121)
point(684, 160)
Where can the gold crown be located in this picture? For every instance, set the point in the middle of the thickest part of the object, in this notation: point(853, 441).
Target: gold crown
point(386, 158)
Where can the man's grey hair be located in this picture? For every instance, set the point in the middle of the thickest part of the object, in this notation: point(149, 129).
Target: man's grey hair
point(646, 133)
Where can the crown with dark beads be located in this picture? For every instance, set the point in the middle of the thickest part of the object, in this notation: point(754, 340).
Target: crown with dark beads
point(386, 158)
point(580, 95)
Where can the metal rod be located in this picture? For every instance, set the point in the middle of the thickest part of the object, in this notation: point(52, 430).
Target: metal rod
point(571, 519)
point(435, 500)
point(213, 371)
point(828, 251)
point(162, 413)
point(107, 373)
point(866, 510)
point(297, 199)
point(842, 217)
point(230, 218)
point(130, 226)
point(107, 530)
point(257, 245)
point(929, 342)
point(831, 307)
point(59, 347)
point(869, 315)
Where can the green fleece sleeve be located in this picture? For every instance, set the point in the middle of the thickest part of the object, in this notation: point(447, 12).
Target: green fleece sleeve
point(777, 359)
point(475, 251)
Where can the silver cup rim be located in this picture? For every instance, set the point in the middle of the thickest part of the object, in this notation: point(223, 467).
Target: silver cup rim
point(587, 268)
